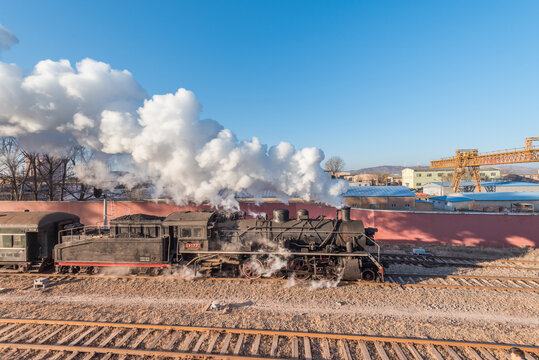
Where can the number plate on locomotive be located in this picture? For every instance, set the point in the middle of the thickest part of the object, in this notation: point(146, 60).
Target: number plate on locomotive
point(192, 245)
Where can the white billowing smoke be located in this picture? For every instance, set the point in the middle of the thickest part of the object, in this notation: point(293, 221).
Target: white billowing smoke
point(166, 142)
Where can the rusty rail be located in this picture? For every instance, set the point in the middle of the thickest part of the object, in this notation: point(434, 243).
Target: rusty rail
point(448, 281)
point(430, 261)
point(55, 339)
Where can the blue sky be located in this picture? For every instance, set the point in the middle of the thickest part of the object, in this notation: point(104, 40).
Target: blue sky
point(375, 82)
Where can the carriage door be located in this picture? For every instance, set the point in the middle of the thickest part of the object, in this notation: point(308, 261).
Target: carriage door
point(173, 234)
point(32, 246)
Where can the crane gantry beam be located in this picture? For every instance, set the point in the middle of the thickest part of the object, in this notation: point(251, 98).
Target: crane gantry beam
point(471, 159)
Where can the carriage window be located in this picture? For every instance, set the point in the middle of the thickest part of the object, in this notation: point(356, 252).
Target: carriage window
point(185, 232)
point(7, 241)
point(197, 232)
point(18, 241)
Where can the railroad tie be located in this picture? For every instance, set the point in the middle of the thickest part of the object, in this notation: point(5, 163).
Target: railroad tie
point(89, 356)
point(414, 352)
point(82, 336)
point(524, 284)
point(274, 344)
point(364, 350)
point(239, 344)
point(94, 337)
point(398, 351)
point(65, 338)
point(487, 354)
point(344, 350)
point(140, 338)
point(307, 347)
point(110, 337)
point(435, 352)
point(213, 340)
point(44, 354)
point(26, 334)
point(474, 354)
point(187, 342)
point(295, 347)
point(7, 328)
point(126, 337)
point(226, 343)
point(380, 350)
point(156, 340)
point(172, 341)
point(14, 332)
point(256, 344)
point(10, 353)
point(200, 341)
point(46, 330)
point(452, 353)
point(326, 353)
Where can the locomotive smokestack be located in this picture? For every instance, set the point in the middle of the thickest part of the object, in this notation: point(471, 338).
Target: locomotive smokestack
point(345, 214)
point(280, 215)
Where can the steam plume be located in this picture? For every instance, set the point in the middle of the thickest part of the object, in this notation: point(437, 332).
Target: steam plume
point(163, 138)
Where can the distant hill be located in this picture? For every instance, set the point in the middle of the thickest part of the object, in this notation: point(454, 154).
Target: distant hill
point(528, 169)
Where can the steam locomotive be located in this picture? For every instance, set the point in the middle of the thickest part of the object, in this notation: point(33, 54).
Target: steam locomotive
point(214, 243)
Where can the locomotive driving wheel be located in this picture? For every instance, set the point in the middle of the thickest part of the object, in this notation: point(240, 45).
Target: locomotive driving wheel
point(274, 268)
point(252, 268)
point(329, 273)
point(300, 268)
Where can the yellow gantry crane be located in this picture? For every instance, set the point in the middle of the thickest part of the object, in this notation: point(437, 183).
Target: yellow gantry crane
point(471, 159)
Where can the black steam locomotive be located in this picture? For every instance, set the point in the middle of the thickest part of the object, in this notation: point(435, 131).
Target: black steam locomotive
point(218, 243)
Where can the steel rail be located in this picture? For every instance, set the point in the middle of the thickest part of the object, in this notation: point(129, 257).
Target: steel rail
point(393, 280)
point(452, 261)
point(215, 333)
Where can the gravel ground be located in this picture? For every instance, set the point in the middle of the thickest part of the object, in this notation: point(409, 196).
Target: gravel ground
point(458, 314)
point(434, 313)
point(488, 254)
point(514, 253)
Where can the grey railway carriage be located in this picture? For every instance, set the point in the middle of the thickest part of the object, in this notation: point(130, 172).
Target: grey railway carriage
point(218, 243)
point(28, 238)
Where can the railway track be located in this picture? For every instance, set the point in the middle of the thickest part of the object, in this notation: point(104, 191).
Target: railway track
point(54, 340)
point(391, 280)
point(432, 261)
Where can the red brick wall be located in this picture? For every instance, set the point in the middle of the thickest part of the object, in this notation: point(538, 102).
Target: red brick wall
point(492, 230)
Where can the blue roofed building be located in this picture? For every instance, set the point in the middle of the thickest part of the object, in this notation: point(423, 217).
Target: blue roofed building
point(439, 188)
point(380, 197)
point(495, 202)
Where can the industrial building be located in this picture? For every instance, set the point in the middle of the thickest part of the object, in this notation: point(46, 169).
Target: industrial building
point(494, 202)
point(380, 197)
point(439, 189)
point(415, 178)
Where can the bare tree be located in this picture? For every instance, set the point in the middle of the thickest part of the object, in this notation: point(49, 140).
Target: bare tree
point(13, 167)
point(334, 165)
point(50, 169)
point(72, 185)
point(382, 178)
point(33, 183)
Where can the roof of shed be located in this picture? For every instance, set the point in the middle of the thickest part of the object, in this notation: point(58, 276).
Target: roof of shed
point(189, 216)
point(494, 196)
point(33, 218)
point(378, 191)
point(488, 183)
